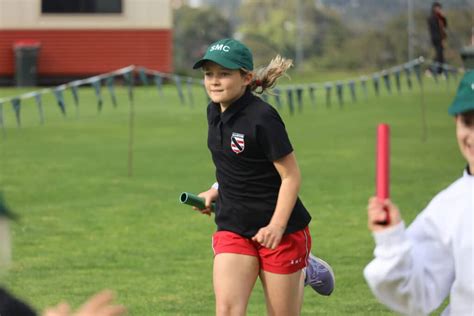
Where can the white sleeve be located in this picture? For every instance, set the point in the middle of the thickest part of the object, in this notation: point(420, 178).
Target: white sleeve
point(412, 271)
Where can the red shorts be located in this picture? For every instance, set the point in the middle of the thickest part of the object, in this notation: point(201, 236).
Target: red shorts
point(290, 256)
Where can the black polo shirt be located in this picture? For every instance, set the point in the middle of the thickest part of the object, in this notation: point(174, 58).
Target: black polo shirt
point(244, 141)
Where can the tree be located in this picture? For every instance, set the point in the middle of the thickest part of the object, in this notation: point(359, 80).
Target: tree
point(194, 30)
point(269, 27)
point(376, 48)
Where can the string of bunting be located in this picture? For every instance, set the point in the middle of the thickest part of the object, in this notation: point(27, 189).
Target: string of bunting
point(58, 92)
point(388, 78)
point(357, 87)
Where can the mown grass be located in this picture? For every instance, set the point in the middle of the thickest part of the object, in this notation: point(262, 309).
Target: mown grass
point(86, 225)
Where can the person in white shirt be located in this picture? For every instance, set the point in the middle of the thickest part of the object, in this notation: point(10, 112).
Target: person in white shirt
point(417, 268)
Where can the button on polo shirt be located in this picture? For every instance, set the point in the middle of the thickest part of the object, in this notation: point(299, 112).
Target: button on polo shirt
point(244, 141)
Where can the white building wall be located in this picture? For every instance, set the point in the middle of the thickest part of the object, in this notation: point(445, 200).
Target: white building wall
point(137, 14)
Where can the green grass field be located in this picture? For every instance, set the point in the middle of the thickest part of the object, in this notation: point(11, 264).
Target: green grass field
point(85, 225)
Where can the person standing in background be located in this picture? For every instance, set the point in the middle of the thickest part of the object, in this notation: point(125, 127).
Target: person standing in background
point(437, 25)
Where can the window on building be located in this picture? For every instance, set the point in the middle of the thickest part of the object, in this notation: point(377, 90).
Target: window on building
point(81, 6)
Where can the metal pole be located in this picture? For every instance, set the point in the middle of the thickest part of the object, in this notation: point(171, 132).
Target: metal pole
point(131, 120)
point(299, 35)
point(410, 29)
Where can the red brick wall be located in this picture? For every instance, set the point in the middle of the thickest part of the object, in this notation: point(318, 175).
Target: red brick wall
point(90, 52)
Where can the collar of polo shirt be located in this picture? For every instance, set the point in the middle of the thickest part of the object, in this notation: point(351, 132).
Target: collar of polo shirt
point(234, 108)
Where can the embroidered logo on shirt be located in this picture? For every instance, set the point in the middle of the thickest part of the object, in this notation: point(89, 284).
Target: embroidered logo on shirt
point(237, 142)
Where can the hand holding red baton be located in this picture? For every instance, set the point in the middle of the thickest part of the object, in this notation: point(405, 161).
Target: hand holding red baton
point(383, 166)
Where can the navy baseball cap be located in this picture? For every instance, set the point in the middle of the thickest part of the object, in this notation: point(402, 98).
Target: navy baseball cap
point(464, 100)
point(229, 53)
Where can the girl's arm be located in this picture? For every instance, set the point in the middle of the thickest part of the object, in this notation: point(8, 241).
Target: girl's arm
point(413, 269)
point(270, 235)
point(209, 196)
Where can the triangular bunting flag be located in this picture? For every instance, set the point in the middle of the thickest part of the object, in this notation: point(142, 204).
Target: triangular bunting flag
point(408, 76)
point(397, 79)
point(339, 92)
point(109, 81)
point(276, 94)
point(434, 68)
point(299, 98)
point(58, 93)
point(189, 82)
point(205, 92)
point(328, 87)
point(446, 75)
point(128, 77)
point(363, 82)
point(1, 119)
point(386, 79)
point(1, 115)
point(177, 80)
point(376, 79)
point(16, 103)
point(39, 104)
point(289, 95)
point(312, 94)
point(159, 84)
point(353, 91)
point(75, 94)
point(435, 77)
point(417, 68)
point(96, 84)
point(143, 76)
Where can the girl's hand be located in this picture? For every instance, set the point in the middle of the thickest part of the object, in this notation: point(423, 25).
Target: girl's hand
point(269, 236)
point(209, 196)
point(377, 215)
point(99, 305)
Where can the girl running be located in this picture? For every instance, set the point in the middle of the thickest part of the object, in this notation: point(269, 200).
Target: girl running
point(262, 225)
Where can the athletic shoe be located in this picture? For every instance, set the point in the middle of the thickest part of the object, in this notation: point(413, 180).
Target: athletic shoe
point(319, 276)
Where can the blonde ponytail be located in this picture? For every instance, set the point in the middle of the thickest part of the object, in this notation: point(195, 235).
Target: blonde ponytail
point(266, 77)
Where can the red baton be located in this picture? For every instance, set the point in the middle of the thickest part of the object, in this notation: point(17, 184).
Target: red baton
point(383, 166)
